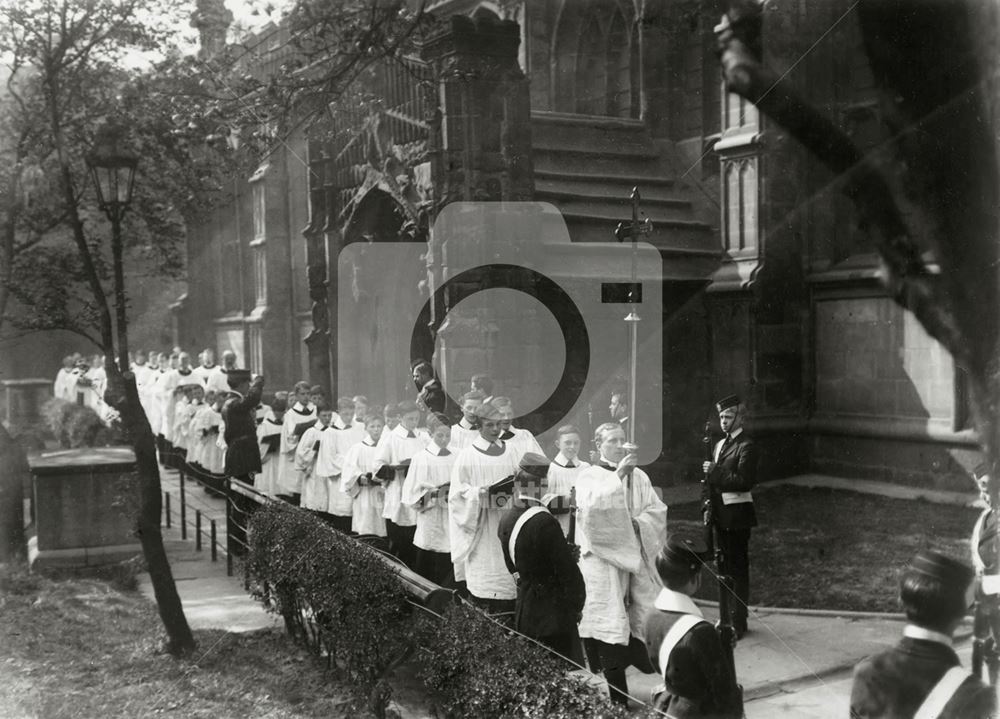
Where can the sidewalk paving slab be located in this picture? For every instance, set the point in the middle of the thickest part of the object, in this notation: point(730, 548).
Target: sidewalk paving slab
point(211, 599)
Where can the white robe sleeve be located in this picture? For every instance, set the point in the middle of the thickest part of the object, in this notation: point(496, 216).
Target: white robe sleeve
point(305, 455)
point(464, 510)
point(352, 471)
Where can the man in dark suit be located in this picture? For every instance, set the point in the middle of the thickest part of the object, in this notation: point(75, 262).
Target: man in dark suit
point(550, 588)
point(921, 675)
point(239, 414)
point(730, 476)
point(698, 676)
point(431, 396)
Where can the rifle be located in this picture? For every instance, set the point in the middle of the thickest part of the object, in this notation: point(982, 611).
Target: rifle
point(727, 632)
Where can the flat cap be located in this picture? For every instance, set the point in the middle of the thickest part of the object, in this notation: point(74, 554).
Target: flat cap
point(535, 464)
point(236, 377)
point(943, 568)
point(727, 402)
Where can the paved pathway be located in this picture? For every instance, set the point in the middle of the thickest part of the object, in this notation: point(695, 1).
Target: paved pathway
point(791, 664)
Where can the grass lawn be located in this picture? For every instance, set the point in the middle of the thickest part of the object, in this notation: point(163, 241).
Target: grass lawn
point(84, 647)
point(831, 549)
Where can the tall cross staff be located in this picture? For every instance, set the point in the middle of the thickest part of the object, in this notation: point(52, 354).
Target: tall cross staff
point(632, 231)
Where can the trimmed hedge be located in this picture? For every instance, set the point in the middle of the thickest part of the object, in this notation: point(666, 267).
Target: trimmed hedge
point(339, 596)
point(332, 591)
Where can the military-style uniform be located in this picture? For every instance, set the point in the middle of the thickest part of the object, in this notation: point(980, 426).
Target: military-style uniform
point(921, 676)
point(896, 682)
point(697, 679)
point(730, 482)
point(550, 588)
point(986, 626)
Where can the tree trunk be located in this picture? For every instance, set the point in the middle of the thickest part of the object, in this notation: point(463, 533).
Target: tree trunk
point(13, 468)
point(180, 641)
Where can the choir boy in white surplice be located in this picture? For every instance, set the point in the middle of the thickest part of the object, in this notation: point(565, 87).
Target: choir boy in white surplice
point(142, 371)
point(395, 450)
point(336, 441)
point(465, 431)
point(474, 523)
point(565, 468)
point(426, 491)
point(65, 384)
point(269, 443)
point(314, 487)
point(299, 413)
point(356, 480)
point(620, 529)
point(520, 440)
point(218, 379)
point(391, 416)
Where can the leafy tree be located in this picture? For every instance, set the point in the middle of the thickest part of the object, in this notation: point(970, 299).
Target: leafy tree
point(69, 74)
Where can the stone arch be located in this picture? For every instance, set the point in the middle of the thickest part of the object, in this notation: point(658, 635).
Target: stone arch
point(376, 290)
point(595, 59)
point(487, 11)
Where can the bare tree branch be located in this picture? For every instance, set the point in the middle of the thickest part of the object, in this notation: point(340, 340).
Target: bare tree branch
point(908, 278)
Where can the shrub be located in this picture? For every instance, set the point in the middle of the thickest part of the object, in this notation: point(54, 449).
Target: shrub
point(331, 590)
point(340, 597)
point(76, 426)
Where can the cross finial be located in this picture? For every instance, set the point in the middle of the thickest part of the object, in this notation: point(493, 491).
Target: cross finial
point(632, 230)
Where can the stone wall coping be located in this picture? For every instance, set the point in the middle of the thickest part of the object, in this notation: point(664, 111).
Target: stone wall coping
point(83, 461)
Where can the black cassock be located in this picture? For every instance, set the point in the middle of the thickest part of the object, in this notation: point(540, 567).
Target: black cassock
point(894, 683)
point(550, 588)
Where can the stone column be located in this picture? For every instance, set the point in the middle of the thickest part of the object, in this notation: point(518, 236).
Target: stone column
point(480, 149)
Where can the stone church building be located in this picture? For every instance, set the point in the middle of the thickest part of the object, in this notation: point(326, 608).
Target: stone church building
point(768, 290)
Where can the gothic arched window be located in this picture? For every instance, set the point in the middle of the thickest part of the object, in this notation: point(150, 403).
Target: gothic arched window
point(596, 57)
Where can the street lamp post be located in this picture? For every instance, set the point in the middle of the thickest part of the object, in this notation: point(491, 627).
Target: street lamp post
point(112, 168)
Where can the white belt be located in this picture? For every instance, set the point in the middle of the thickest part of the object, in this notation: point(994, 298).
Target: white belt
point(990, 584)
point(736, 497)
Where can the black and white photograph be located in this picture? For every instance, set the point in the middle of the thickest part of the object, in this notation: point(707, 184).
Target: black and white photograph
point(482, 359)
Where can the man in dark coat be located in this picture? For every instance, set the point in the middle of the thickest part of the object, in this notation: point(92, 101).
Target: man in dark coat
point(921, 675)
point(698, 677)
point(239, 415)
point(730, 476)
point(431, 396)
point(550, 588)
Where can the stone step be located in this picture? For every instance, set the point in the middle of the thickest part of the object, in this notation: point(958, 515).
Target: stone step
point(610, 191)
point(562, 131)
point(668, 233)
point(582, 161)
point(644, 181)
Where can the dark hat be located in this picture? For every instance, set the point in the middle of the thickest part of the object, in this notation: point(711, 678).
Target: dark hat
point(489, 411)
point(682, 554)
point(727, 402)
point(981, 470)
point(946, 570)
point(236, 377)
point(535, 464)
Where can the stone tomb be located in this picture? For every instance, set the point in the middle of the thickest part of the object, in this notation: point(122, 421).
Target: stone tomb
point(84, 502)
